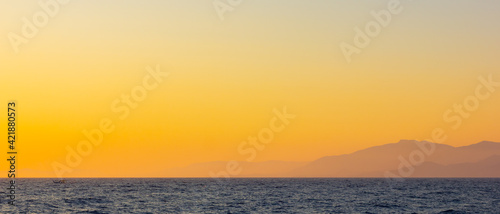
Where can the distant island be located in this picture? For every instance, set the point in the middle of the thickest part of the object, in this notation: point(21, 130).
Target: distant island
point(407, 158)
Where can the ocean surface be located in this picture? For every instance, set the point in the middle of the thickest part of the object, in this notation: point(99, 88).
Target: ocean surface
point(254, 195)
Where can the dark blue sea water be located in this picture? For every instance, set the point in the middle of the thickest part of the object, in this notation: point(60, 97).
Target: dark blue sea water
point(255, 195)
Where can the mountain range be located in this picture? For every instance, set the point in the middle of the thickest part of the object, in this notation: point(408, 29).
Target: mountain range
point(407, 158)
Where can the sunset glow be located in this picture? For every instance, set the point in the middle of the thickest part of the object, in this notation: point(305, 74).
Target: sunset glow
point(167, 84)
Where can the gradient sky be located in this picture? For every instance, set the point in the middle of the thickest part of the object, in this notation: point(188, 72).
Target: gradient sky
point(226, 77)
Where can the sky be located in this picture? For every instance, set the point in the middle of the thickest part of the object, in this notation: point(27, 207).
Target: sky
point(226, 78)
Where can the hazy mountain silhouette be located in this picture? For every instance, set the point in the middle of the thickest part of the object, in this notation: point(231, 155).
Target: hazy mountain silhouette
point(490, 167)
point(407, 158)
point(375, 161)
point(248, 169)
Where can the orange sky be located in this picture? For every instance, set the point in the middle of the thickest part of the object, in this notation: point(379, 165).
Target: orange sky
point(226, 78)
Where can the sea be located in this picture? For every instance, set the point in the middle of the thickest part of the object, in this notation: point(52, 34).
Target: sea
point(254, 195)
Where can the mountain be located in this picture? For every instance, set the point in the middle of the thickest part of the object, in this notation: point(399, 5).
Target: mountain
point(489, 167)
point(407, 158)
point(376, 161)
point(248, 169)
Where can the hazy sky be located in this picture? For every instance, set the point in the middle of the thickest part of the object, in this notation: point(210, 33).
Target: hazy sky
point(227, 76)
